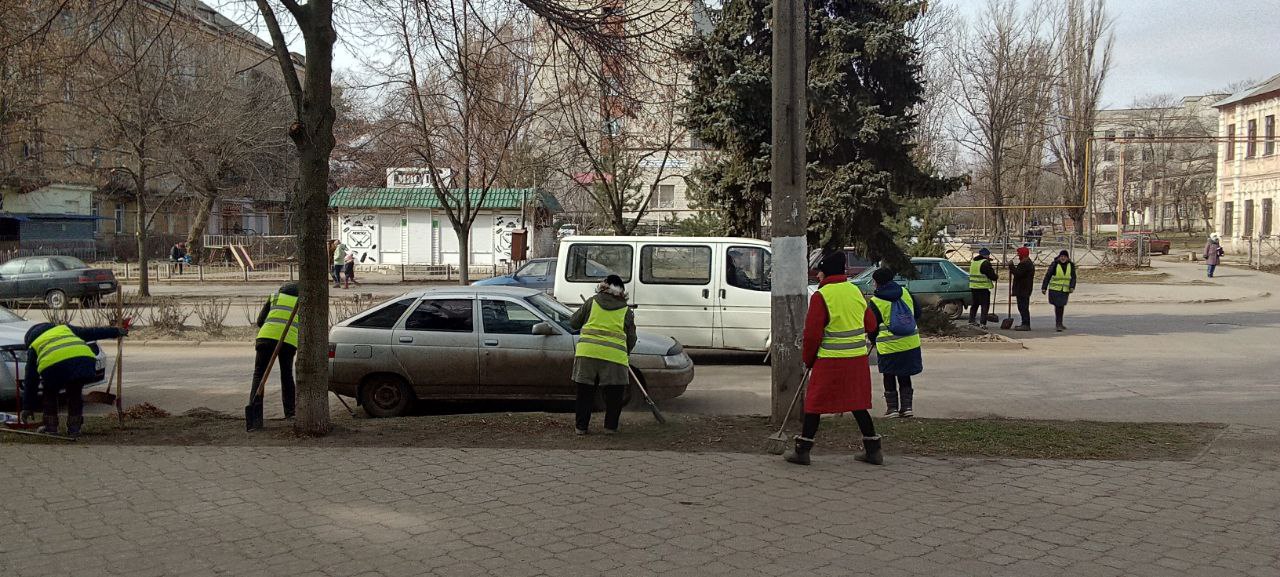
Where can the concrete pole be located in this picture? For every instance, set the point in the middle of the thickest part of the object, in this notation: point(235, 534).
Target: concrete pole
point(789, 216)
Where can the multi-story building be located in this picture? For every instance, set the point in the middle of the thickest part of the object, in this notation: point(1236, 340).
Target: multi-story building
point(1249, 167)
point(1155, 164)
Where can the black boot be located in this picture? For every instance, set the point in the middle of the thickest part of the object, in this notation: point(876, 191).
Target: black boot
point(891, 401)
point(870, 451)
point(50, 426)
point(800, 453)
point(74, 424)
point(907, 394)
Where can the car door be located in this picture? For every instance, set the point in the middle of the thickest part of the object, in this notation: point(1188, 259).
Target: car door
point(930, 284)
point(36, 279)
point(744, 297)
point(514, 362)
point(675, 296)
point(436, 344)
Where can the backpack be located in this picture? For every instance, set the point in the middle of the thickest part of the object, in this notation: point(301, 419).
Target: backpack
point(902, 322)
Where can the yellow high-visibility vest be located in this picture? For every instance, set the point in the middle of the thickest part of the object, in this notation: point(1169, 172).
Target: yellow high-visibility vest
point(282, 306)
point(887, 342)
point(604, 336)
point(845, 336)
point(59, 344)
point(1061, 281)
point(977, 280)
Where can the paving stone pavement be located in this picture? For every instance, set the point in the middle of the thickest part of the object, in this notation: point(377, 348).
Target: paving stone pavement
point(143, 511)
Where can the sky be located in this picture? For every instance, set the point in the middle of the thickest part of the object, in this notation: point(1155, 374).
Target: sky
point(1178, 47)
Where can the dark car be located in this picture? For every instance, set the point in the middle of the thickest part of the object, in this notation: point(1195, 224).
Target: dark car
point(54, 280)
point(854, 264)
point(539, 273)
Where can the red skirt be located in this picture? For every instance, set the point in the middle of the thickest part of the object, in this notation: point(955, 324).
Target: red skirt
point(839, 386)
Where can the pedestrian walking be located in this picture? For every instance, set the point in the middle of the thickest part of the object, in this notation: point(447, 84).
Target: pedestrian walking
point(271, 322)
point(1213, 253)
point(178, 254)
point(601, 359)
point(349, 270)
point(59, 366)
point(897, 339)
point(982, 279)
point(339, 252)
point(1022, 281)
point(835, 351)
point(1059, 283)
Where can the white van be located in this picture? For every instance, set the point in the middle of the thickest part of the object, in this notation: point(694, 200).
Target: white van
point(704, 292)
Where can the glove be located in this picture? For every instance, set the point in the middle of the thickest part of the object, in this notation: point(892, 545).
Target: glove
point(125, 326)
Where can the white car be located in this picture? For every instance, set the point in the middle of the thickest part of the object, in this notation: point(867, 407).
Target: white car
point(13, 331)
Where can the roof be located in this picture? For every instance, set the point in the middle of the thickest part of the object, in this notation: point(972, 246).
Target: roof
point(474, 290)
point(1270, 85)
point(495, 198)
point(25, 216)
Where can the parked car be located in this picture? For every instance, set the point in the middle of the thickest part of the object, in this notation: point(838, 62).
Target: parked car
point(538, 273)
point(854, 264)
point(476, 342)
point(13, 355)
point(1129, 240)
point(938, 283)
point(54, 280)
point(705, 292)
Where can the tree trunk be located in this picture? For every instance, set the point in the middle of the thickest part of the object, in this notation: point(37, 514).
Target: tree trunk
point(195, 236)
point(140, 231)
point(464, 255)
point(1077, 220)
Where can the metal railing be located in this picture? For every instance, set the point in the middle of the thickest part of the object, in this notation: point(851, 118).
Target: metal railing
point(1263, 251)
point(286, 271)
point(1134, 250)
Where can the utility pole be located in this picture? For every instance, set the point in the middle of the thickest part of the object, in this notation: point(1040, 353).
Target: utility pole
point(789, 216)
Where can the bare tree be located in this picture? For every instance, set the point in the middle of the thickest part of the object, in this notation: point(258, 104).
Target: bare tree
point(1170, 167)
point(1004, 71)
point(1083, 31)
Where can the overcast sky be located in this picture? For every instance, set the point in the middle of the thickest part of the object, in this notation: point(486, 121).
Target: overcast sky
point(1179, 47)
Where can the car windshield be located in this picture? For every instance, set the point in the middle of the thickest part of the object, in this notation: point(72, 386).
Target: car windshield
point(554, 310)
point(8, 316)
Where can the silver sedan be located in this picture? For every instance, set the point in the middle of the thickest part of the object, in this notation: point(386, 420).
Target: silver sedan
point(476, 342)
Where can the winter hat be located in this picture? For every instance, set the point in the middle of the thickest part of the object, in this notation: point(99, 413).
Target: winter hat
point(883, 275)
point(984, 251)
point(289, 288)
point(833, 263)
point(1213, 236)
point(1024, 252)
point(613, 285)
point(1065, 253)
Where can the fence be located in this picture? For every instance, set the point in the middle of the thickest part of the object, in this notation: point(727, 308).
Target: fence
point(1134, 250)
point(1263, 251)
point(260, 247)
point(85, 250)
point(285, 271)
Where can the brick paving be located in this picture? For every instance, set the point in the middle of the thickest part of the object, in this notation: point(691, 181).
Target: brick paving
point(143, 511)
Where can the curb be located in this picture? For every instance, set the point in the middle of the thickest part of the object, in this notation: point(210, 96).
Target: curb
point(189, 344)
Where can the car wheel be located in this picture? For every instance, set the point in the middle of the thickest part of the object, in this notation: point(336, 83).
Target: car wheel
point(953, 309)
point(386, 396)
point(55, 299)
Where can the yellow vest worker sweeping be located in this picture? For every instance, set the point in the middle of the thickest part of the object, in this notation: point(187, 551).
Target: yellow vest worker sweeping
point(607, 335)
point(271, 322)
point(61, 363)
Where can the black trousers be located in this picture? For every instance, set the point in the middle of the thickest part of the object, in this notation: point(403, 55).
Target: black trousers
point(981, 298)
point(612, 405)
point(263, 349)
point(898, 392)
point(1024, 308)
point(811, 421)
point(72, 393)
point(1057, 313)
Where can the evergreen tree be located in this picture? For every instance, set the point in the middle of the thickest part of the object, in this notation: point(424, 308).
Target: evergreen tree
point(864, 85)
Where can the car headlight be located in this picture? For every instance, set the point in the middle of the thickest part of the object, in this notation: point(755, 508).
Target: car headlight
point(677, 361)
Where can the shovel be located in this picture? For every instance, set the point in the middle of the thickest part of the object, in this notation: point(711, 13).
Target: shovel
point(253, 411)
point(649, 401)
point(778, 440)
point(1007, 323)
point(17, 388)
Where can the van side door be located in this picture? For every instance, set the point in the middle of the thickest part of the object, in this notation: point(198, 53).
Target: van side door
point(744, 298)
point(675, 295)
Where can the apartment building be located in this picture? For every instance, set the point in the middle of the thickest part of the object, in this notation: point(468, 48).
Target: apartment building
point(1249, 165)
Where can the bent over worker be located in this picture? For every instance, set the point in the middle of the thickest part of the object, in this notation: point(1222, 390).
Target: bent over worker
point(271, 322)
point(835, 351)
point(602, 359)
point(61, 364)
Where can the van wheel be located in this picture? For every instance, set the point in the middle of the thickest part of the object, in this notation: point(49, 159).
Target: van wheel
point(386, 396)
point(55, 299)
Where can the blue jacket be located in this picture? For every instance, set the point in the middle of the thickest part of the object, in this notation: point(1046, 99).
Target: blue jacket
point(905, 363)
point(71, 372)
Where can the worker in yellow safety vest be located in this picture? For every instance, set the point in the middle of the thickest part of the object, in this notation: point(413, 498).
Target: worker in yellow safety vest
point(1059, 283)
point(982, 280)
point(271, 323)
point(899, 354)
point(602, 357)
point(60, 364)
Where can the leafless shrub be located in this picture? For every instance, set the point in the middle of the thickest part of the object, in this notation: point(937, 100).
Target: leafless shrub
point(250, 313)
point(106, 313)
point(344, 308)
point(168, 316)
point(213, 315)
point(64, 316)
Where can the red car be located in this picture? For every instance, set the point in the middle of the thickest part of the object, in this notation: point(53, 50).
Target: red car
point(1157, 245)
point(853, 266)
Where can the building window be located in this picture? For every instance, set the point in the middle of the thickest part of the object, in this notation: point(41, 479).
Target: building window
point(1248, 218)
point(1109, 154)
point(1228, 216)
point(1266, 217)
point(1269, 133)
point(96, 210)
point(612, 127)
point(1110, 135)
point(663, 196)
point(1251, 140)
point(1231, 142)
point(119, 218)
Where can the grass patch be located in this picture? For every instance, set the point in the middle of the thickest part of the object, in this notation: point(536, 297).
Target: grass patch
point(1121, 275)
point(988, 437)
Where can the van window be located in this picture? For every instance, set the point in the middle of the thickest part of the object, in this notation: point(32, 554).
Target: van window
point(749, 267)
point(593, 262)
point(675, 264)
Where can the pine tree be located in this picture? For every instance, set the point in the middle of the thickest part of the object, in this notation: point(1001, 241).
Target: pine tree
point(864, 84)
